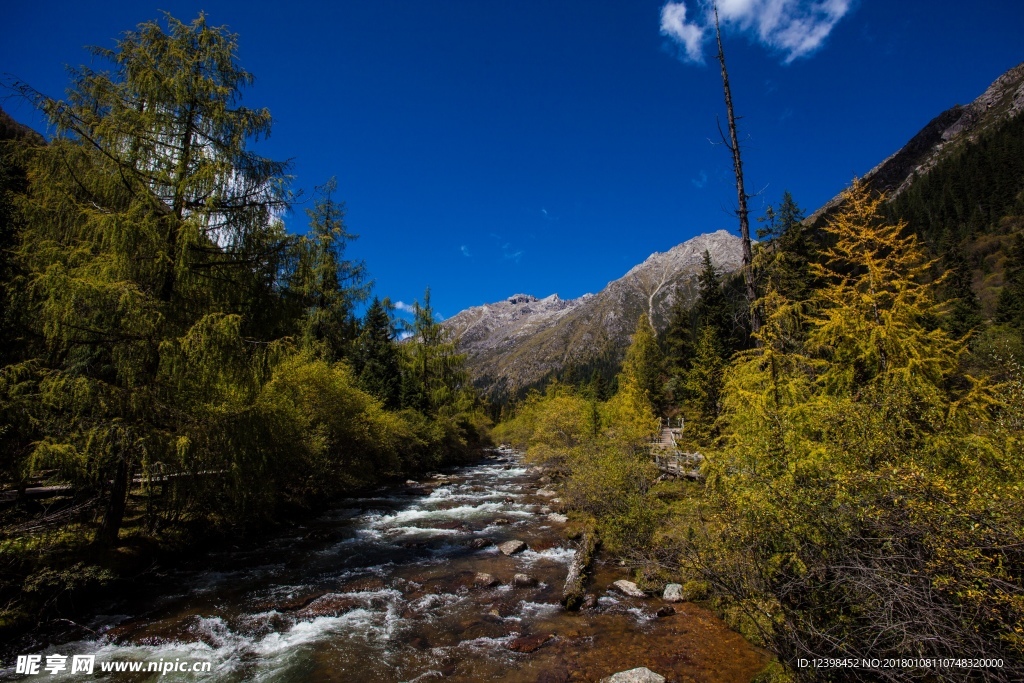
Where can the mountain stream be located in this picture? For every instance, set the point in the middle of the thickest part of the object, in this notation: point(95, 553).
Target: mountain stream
point(386, 588)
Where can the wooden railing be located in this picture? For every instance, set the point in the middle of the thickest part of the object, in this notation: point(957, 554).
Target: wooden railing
point(679, 464)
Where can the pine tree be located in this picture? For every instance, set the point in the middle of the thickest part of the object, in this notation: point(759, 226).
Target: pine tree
point(783, 261)
point(703, 383)
point(643, 362)
point(964, 315)
point(1010, 308)
point(436, 381)
point(712, 307)
point(326, 285)
point(377, 360)
point(742, 213)
point(152, 250)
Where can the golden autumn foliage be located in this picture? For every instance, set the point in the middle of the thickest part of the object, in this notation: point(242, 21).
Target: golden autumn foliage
point(866, 500)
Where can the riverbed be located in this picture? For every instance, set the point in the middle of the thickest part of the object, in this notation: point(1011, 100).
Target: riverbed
point(386, 588)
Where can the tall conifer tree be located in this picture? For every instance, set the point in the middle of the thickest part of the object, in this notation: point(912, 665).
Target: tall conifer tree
point(153, 250)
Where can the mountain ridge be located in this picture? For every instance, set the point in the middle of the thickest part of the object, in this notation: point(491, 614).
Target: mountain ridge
point(514, 343)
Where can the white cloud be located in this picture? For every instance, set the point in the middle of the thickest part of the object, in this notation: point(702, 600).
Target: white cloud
point(796, 28)
point(402, 306)
point(688, 35)
point(465, 251)
point(701, 181)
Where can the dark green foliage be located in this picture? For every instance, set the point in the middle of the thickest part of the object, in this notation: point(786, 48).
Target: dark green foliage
point(1010, 309)
point(677, 339)
point(964, 314)
point(702, 384)
point(783, 260)
point(376, 357)
point(711, 308)
point(325, 285)
point(434, 380)
point(644, 363)
point(969, 191)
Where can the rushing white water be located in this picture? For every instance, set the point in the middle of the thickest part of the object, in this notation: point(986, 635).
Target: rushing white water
point(388, 594)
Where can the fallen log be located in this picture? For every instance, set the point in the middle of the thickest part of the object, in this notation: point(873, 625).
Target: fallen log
point(573, 593)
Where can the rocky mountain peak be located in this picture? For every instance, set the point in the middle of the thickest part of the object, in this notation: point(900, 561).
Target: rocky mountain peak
point(516, 342)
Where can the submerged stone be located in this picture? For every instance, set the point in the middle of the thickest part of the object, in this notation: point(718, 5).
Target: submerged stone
point(531, 643)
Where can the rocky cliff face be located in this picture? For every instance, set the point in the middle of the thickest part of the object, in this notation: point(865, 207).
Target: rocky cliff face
point(943, 135)
point(513, 343)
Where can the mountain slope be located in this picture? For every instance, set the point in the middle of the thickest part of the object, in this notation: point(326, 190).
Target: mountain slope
point(515, 343)
point(944, 136)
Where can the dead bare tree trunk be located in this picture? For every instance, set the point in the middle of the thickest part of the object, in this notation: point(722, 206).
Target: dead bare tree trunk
point(741, 195)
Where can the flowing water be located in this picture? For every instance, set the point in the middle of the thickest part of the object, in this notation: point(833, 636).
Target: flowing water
point(383, 590)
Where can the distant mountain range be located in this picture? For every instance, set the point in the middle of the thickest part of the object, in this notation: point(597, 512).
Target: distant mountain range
point(515, 343)
point(519, 342)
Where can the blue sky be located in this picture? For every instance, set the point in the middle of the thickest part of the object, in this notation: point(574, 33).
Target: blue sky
point(486, 148)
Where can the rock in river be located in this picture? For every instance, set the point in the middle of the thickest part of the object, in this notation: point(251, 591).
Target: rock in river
point(512, 547)
point(629, 588)
point(485, 580)
point(673, 593)
point(530, 643)
point(478, 543)
point(639, 675)
point(557, 518)
point(523, 581)
point(546, 493)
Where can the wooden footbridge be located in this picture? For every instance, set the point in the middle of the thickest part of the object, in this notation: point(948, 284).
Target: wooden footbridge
point(670, 458)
